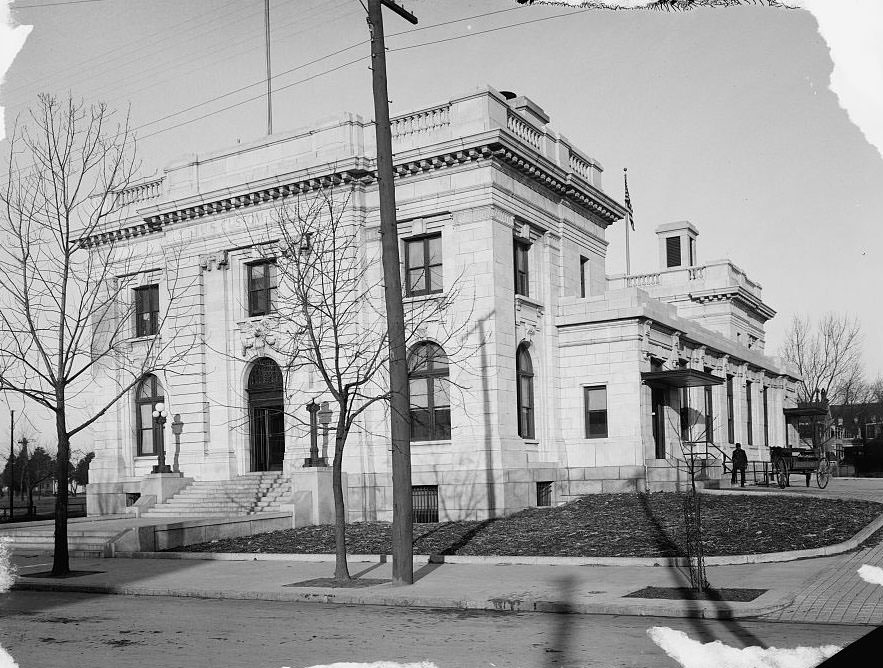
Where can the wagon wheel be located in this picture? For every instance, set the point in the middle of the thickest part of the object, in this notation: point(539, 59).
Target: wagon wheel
point(823, 474)
point(781, 473)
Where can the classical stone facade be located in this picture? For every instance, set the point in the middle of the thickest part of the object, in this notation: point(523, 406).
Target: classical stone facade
point(553, 397)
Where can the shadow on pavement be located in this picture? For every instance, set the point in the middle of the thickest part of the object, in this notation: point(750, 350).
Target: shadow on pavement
point(668, 544)
point(559, 646)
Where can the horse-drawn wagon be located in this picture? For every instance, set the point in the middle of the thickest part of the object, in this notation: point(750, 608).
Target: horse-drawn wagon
point(805, 461)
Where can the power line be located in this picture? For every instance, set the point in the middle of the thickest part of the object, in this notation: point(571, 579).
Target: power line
point(193, 64)
point(257, 83)
point(348, 48)
point(256, 97)
point(490, 30)
point(153, 43)
point(56, 4)
point(334, 69)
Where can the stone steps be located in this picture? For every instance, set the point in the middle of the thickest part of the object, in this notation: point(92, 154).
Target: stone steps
point(243, 495)
point(79, 543)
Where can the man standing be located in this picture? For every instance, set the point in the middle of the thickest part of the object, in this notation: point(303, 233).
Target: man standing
point(740, 463)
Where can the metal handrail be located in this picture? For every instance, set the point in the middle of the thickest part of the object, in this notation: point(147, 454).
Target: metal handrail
point(712, 451)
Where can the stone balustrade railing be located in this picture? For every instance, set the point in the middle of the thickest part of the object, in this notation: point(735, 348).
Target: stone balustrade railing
point(642, 280)
point(695, 273)
point(428, 120)
point(141, 192)
point(523, 130)
point(581, 167)
point(718, 274)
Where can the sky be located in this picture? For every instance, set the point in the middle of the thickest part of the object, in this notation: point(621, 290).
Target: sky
point(724, 117)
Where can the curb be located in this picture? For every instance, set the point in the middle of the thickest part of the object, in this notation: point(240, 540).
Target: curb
point(662, 608)
point(728, 560)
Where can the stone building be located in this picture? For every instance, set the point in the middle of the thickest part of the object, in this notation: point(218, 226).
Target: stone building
point(576, 381)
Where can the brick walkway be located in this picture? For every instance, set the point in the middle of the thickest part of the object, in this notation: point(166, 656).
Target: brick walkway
point(839, 595)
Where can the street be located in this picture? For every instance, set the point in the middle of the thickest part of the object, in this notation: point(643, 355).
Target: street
point(47, 630)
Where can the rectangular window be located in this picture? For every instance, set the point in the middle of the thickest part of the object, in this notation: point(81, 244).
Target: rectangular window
point(430, 409)
point(423, 265)
point(524, 390)
point(766, 417)
point(146, 438)
point(146, 310)
point(596, 412)
point(522, 277)
point(749, 422)
point(424, 500)
point(544, 493)
point(709, 414)
point(685, 415)
point(673, 252)
point(731, 425)
point(583, 277)
point(261, 287)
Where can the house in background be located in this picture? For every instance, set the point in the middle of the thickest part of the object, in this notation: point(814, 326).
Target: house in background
point(578, 382)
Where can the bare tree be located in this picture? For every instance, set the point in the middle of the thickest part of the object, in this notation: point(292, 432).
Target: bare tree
point(329, 320)
point(65, 311)
point(827, 354)
point(696, 451)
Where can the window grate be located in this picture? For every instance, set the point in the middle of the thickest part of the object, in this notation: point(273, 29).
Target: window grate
point(424, 499)
point(544, 493)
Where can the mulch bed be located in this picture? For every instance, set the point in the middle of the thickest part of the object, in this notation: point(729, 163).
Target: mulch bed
point(687, 594)
point(355, 583)
point(48, 574)
point(603, 525)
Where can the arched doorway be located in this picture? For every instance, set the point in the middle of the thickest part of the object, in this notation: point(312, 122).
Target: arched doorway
point(266, 416)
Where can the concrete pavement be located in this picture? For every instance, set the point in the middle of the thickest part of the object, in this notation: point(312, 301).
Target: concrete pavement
point(520, 588)
point(864, 489)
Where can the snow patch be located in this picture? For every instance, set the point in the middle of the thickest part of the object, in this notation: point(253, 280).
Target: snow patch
point(6, 660)
point(12, 39)
point(375, 664)
point(695, 654)
point(871, 574)
point(7, 569)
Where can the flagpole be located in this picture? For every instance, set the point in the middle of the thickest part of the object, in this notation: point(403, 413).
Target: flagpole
point(269, 74)
point(628, 221)
point(628, 266)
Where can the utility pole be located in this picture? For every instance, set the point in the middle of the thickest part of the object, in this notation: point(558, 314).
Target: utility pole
point(11, 461)
point(400, 427)
point(269, 77)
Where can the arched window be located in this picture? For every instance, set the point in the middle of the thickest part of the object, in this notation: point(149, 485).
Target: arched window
point(524, 392)
point(150, 435)
point(430, 393)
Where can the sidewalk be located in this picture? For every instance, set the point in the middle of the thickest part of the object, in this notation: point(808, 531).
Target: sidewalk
point(837, 595)
point(518, 588)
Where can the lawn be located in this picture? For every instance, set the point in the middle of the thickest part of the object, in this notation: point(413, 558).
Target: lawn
point(603, 525)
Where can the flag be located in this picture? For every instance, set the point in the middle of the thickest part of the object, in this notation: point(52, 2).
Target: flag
point(628, 198)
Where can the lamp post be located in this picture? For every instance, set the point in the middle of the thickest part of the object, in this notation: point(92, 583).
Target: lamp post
point(177, 428)
point(159, 417)
point(313, 459)
point(325, 420)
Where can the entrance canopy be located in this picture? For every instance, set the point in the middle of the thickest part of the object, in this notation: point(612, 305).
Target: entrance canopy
point(807, 409)
point(680, 378)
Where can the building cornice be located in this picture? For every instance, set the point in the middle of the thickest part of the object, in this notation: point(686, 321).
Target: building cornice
point(362, 171)
point(736, 294)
